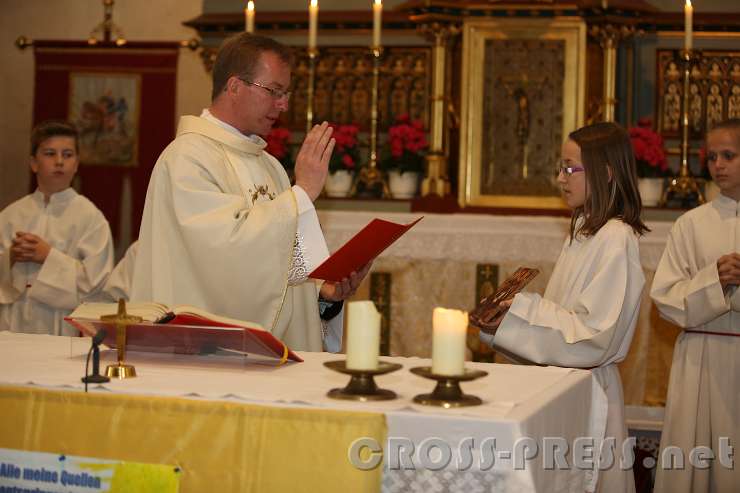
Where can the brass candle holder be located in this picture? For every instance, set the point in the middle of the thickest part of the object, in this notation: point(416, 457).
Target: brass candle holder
point(684, 185)
point(122, 319)
point(370, 176)
point(448, 393)
point(361, 386)
point(312, 54)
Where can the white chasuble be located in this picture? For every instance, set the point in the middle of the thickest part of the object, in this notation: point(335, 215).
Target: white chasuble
point(703, 404)
point(218, 232)
point(585, 319)
point(36, 297)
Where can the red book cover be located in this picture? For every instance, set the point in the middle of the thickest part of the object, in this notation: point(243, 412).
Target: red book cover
point(189, 333)
point(363, 247)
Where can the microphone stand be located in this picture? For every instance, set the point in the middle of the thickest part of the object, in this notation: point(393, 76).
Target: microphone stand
point(95, 377)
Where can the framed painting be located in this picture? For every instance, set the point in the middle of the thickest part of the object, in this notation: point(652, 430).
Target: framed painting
point(105, 109)
point(523, 91)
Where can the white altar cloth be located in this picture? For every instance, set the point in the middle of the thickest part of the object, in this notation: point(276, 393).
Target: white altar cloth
point(520, 402)
point(480, 238)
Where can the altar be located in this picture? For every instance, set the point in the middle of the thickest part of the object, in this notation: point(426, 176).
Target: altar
point(231, 426)
point(446, 258)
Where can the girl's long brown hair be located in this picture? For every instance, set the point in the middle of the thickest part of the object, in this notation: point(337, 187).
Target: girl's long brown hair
point(606, 146)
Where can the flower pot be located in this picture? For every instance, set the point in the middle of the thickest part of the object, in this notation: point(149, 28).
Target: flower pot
point(711, 190)
point(338, 184)
point(403, 185)
point(651, 190)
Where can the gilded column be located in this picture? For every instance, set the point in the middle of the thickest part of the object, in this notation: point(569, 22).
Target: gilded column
point(436, 180)
point(609, 36)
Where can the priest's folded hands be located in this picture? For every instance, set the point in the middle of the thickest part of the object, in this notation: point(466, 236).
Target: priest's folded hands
point(345, 289)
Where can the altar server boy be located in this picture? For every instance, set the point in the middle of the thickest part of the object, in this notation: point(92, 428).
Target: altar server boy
point(588, 313)
point(55, 245)
point(695, 287)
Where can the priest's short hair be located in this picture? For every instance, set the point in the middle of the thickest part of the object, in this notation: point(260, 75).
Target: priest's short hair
point(239, 55)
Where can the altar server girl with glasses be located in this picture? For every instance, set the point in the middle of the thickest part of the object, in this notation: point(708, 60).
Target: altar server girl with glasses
point(695, 287)
point(56, 247)
point(588, 313)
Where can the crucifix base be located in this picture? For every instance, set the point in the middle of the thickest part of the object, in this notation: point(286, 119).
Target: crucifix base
point(120, 371)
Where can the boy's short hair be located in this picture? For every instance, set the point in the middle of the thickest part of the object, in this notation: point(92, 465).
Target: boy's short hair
point(239, 55)
point(52, 128)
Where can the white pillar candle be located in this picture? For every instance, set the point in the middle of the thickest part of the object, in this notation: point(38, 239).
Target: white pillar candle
point(688, 12)
point(313, 22)
point(249, 13)
point(363, 335)
point(377, 21)
point(449, 330)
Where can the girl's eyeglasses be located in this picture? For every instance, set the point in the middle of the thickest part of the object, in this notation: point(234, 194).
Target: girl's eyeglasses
point(567, 170)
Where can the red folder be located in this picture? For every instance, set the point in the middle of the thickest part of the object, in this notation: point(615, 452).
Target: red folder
point(363, 247)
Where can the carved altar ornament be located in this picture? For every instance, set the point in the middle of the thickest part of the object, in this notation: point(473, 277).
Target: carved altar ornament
point(735, 73)
point(733, 105)
point(439, 32)
point(610, 34)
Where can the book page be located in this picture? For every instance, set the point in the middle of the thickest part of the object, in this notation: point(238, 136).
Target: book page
point(149, 311)
point(199, 312)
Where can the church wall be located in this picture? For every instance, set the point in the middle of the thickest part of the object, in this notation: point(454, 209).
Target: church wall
point(140, 20)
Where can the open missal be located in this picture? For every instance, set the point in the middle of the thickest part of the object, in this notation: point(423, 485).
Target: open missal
point(181, 329)
point(363, 247)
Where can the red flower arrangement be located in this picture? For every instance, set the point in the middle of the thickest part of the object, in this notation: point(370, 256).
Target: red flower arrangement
point(649, 150)
point(278, 144)
point(346, 155)
point(407, 143)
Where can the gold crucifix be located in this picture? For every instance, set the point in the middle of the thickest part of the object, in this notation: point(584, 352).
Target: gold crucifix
point(121, 320)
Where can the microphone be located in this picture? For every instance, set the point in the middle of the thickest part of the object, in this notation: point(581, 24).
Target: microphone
point(95, 377)
point(99, 337)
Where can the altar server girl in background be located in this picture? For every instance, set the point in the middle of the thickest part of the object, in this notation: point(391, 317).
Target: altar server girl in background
point(695, 287)
point(588, 313)
point(55, 245)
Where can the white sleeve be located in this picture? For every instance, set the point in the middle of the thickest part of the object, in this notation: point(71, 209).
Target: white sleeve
point(64, 281)
point(685, 299)
point(310, 248)
point(11, 287)
point(585, 335)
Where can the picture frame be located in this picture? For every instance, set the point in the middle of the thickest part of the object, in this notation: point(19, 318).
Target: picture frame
point(523, 92)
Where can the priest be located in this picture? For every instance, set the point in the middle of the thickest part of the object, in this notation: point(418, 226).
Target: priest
point(222, 228)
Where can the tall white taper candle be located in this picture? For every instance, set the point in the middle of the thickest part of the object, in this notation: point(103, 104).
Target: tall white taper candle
point(313, 22)
point(688, 12)
point(249, 13)
point(377, 21)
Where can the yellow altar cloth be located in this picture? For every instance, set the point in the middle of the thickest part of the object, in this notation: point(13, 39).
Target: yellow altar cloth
point(219, 446)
